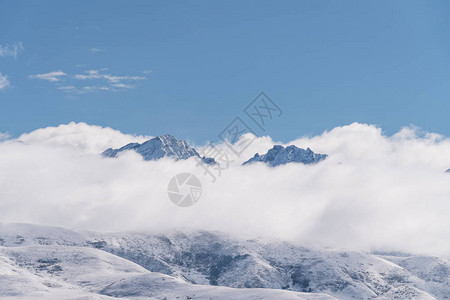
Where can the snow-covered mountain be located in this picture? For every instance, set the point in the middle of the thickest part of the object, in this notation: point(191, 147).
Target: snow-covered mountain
point(168, 146)
point(49, 262)
point(280, 155)
point(159, 147)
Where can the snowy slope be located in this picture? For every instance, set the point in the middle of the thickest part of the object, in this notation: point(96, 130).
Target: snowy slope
point(43, 263)
point(37, 259)
point(159, 147)
point(67, 271)
point(280, 155)
point(211, 258)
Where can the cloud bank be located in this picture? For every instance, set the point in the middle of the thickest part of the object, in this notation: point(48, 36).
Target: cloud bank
point(80, 138)
point(373, 192)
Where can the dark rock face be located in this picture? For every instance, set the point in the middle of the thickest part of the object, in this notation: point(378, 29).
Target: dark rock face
point(280, 155)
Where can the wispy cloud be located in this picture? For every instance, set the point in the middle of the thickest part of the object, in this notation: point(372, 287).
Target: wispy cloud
point(11, 50)
point(105, 81)
point(4, 82)
point(96, 88)
point(96, 50)
point(90, 81)
point(91, 74)
point(67, 88)
point(51, 76)
point(95, 74)
point(122, 85)
point(147, 71)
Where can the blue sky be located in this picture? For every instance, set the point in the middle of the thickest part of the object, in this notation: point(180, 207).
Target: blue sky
point(189, 68)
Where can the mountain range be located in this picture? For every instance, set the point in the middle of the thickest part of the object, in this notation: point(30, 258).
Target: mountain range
point(168, 146)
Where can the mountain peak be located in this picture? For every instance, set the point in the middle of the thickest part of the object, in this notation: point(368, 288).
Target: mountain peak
point(166, 137)
point(161, 146)
point(280, 155)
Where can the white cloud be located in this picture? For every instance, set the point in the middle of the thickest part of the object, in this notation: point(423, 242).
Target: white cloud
point(80, 137)
point(372, 192)
point(4, 82)
point(51, 76)
point(11, 50)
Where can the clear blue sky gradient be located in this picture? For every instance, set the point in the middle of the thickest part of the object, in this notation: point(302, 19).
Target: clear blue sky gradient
point(326, 64)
